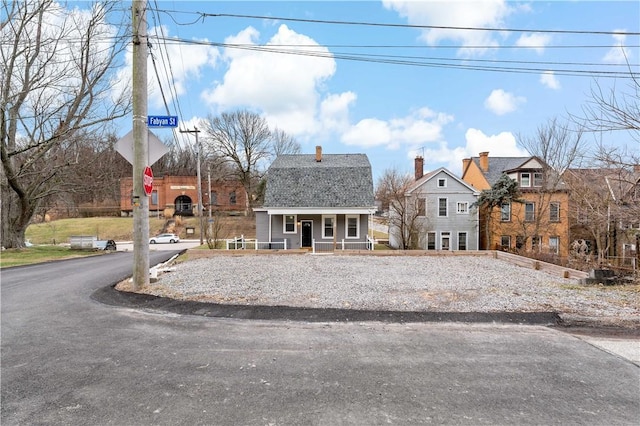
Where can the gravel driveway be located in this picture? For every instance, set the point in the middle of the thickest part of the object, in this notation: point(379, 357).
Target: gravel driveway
point(399, 283)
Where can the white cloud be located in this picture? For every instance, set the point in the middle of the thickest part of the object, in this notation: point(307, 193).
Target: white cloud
point(286, 88)
point(186, 63)
point(464, 14)
point(535, 41)
point(334, 111)
point(548, 78)
point(500, 145)
point(501, 102)
point(618, 54)
point(421, 127)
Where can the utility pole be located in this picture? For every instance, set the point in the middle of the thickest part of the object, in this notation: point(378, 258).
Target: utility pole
point(196, 131)
point(140, 145)
point(209, 227)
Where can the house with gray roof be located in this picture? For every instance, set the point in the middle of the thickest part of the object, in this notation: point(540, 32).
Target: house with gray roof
point(439, 213)
point(314, 201)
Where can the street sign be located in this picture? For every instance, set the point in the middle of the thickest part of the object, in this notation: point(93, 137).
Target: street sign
point(162, 121)
point(157, 149)
point(147, 180)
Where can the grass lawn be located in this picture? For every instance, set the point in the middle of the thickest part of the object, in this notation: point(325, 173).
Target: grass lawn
point(39, 254)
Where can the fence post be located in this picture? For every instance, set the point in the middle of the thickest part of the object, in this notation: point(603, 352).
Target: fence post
point(343, 244)
point(313, 245)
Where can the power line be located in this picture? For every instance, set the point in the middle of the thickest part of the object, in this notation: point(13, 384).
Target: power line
point(560, 68)
point(432, 27)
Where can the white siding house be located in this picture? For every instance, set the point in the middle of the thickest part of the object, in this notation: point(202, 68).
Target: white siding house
point(442, 210)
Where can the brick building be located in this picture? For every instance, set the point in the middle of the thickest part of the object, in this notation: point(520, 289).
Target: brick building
point(178, 195)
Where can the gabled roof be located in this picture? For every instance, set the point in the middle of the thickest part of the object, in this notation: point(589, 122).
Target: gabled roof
point(338, 181)
point(428, 176)
point(499, 165)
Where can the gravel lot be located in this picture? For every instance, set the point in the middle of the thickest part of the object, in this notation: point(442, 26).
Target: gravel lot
point(400, 283)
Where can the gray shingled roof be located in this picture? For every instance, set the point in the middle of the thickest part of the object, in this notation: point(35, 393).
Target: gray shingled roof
point(339, 180)
point(499, 165)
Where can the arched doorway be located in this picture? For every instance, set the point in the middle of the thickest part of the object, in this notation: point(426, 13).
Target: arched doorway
point(184, 206)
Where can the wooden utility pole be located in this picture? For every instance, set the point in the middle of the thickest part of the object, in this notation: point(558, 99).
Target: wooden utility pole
point(140, 146)
point(199, 178)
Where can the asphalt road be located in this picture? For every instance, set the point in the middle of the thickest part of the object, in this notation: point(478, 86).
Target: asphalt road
point(68, 359)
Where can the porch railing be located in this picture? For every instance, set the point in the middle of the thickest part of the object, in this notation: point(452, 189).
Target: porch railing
point(330, 247)
point(242, 243)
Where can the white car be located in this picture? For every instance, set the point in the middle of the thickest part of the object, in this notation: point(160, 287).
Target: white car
point(164, 238)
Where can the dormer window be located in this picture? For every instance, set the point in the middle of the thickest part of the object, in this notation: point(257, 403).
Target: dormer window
point(537, 179)
point(525, 180)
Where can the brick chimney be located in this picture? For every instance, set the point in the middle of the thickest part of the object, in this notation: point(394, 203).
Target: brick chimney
point(318, 153)
point(484, 161)
point(419, 167)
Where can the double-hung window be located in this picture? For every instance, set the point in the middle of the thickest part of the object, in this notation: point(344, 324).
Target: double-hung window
point(442, 182)
point(554, 212)
point(431, 240)
point(289, 224)
point(554, 243)
point(529, 212)
point(525, 180)
point(442, 207)
point(537, 179)
point(422, 207)
point(505, 212)
point(328, 226)
point(353, 227)
point(462, 240)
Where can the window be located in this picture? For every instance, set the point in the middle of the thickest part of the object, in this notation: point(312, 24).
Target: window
point(213, 198)
point(462, 207)
point(232, 198)
point(154, 198)
point(462, 240)
point(445, 240)
point(529, 212)
point(525, 179)
point(442, 183)
point(537, 179)
point(554, 242)
point(554, 212)
point(505, 242)
point(422, 206)
point(289, 226)
point(442, 207)
point(520, 241)
point(535, 243)
point(431, 240)
point(328, 223)
point(505, 212)
point(353, 227)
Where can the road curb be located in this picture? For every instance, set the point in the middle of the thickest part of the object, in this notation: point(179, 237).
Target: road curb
point(110, 296)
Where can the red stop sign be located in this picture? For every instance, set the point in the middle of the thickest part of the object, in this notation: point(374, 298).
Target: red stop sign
point(147, 180)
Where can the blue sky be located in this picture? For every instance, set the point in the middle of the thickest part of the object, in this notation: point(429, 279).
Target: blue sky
point(393, 112)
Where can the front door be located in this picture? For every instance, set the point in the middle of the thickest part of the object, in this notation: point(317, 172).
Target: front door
point(445, 241)
point(307, 233)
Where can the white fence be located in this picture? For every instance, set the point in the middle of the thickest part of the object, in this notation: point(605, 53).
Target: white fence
point(241, 243)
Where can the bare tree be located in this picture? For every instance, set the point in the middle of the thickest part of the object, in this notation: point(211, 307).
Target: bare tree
point(243, 139)
point(407, 218)
point(55, 90)
point(283, 143)
point(504, 190)
point(559, 148)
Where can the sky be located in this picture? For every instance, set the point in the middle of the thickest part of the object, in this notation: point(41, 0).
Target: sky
point(443, 80)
